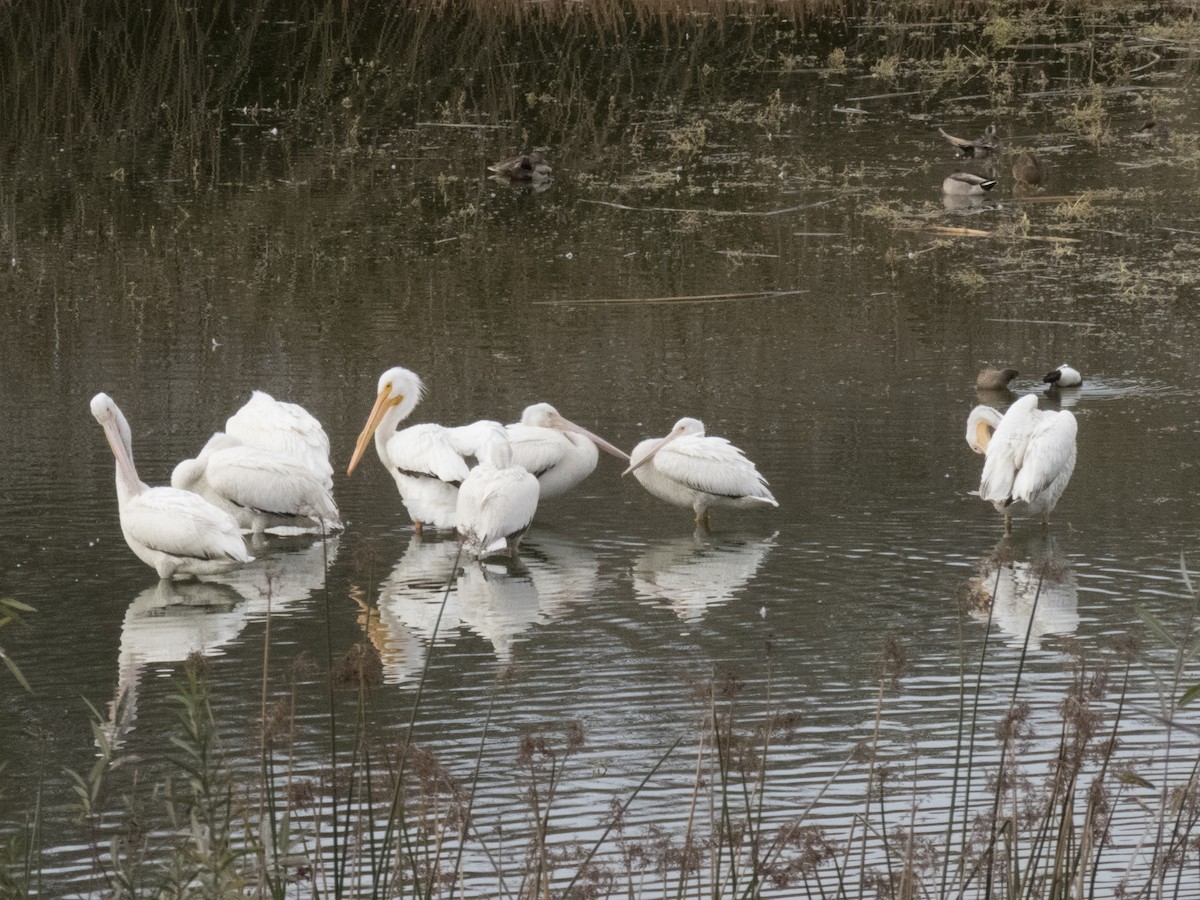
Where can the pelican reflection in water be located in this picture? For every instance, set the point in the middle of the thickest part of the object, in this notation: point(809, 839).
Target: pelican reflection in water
point(1026, 586)
point(692, 575)
point(495, 602)
point(167, 623)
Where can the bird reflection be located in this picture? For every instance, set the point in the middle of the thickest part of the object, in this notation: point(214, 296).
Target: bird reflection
point(284, 572)
point(691, 575)
point(963, 202)
point(174, 619)
point(167, 623)
point(1007, 586)
point(496, 602)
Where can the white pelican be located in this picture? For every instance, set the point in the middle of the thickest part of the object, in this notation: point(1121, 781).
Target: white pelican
point(261, 489)
point(497, 500)
point(559, 453)
point(1063, 376)
point(174, 532)
point(287, 428)
point(428, 461)
point(686, 468)
point(1030, 455)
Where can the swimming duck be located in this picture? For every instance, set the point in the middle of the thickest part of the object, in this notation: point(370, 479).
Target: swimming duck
point(964, 184)
point(993, 379)
point(526, 167)
point(984, 145)
point(1027, 170)
point(1063, 376)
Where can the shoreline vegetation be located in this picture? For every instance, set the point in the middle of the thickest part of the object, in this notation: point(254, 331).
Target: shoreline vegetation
point(174, 87)
point(385, 817)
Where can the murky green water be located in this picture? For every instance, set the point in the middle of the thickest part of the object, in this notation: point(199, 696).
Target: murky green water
point(837, 343)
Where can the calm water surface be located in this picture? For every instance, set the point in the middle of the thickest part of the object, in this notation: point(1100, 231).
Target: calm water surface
point(306, 273)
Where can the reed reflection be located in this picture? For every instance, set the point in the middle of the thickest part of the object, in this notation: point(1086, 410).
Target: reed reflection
point(691, 575)
point(1026, 576)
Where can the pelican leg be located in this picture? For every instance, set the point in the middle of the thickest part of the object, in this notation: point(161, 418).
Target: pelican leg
point(1007, 524)
point(702, 521)
point(417, 527)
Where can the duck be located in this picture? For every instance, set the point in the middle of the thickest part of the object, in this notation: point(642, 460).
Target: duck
point(993, 379)
point(526, 167)
point(1063, 376)
point(1027, 170)
point(966, 184)
point(984, 145)
point(1152, 130)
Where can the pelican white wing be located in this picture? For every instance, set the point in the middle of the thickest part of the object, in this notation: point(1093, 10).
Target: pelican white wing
point(538, 450)
point(494, 505)
point(1006, 450)
point(1049, 458)
point(1029, 459)
point(183, 526)
point(286, 428)
point(270, 483)
point(429, 450)
point(712, 465)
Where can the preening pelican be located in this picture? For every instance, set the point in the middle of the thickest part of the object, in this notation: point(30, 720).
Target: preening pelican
point(174, 532)
point(556, 451)
point(687, 468)
point(1063, 376)
point(497, 500)
point(261, 489)
point(1030, 455)
point(287, 428)
point(428, 461)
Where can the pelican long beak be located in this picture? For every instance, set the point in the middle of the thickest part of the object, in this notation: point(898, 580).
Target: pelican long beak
point(567, 425)
point(124, 458)
point(383, 403)
point(650, 453)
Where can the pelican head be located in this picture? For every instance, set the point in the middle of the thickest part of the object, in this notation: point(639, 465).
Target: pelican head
point(543, 415)
point(398, 394)
point(981, 424)
point(120, 441)
point(685, 427)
